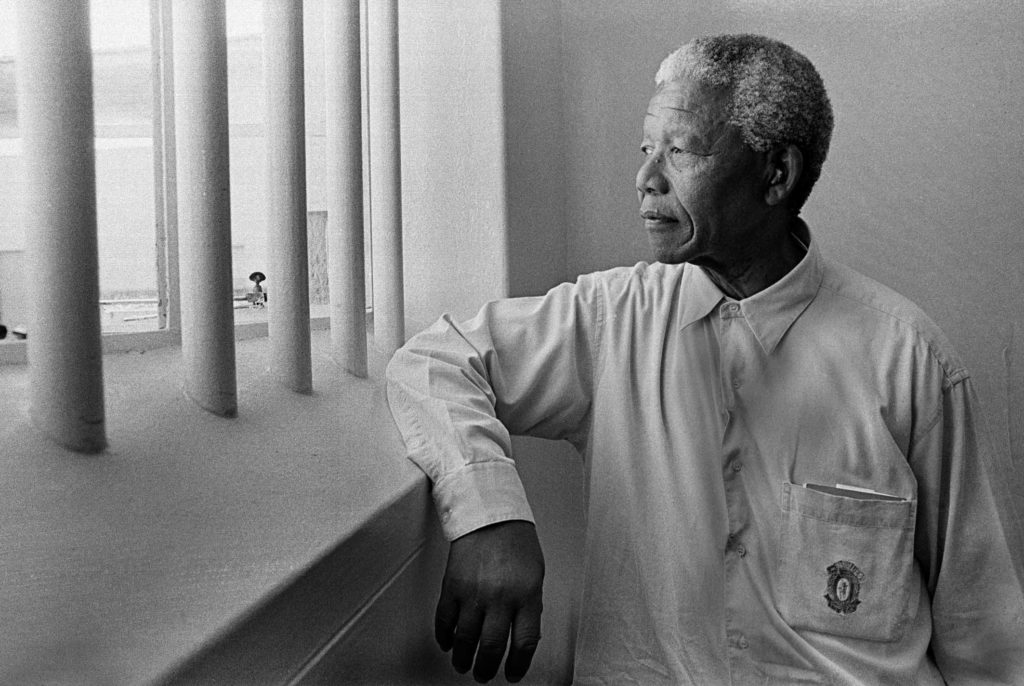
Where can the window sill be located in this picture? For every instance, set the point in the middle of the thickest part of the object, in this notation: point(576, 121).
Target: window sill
point(16, 351)
point(122, 567)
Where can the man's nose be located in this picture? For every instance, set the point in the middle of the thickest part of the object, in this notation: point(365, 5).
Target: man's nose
point(650, 179)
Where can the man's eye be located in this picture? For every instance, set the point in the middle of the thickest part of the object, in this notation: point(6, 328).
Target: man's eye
point(676, 151)
point(646, 149)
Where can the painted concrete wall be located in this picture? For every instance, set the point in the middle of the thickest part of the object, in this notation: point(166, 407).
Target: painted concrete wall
point(246, 544)
point(481, 156)
point(452, 157)
point(535, 158)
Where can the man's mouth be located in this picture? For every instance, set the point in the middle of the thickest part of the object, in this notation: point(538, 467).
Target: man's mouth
point(653, 217)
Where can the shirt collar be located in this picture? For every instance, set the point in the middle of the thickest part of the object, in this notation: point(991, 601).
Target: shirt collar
point(701, 296)
point(770, 312)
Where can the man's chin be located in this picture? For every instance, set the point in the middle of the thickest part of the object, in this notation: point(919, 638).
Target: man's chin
point(676, 253)
point(670, 258)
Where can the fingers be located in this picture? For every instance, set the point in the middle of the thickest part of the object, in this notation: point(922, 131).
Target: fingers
point(525, 637)
point(467, 634)
point(485, 636)
point(471, 631)
point(445, 619)
point(493, 639)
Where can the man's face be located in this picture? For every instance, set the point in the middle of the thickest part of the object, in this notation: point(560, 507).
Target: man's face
point(701, 188)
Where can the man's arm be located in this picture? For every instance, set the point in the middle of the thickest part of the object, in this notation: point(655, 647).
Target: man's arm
point(457, 390)
point(977, 600)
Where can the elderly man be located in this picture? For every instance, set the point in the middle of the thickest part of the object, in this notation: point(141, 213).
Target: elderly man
point(784, 474)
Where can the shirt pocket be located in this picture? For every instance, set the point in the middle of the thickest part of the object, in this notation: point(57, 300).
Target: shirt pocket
point(846, 565)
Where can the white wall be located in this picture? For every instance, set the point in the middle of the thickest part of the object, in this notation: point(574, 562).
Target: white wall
point(452, 156)
point(535, 156)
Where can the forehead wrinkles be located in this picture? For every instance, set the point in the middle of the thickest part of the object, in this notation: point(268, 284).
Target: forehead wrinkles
point(686, 96)
point(701, 121)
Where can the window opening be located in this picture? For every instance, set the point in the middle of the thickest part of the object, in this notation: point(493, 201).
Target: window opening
point(123, 112)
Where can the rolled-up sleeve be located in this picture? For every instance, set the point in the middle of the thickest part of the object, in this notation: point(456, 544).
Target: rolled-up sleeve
point(977, 601)
point(457, 390)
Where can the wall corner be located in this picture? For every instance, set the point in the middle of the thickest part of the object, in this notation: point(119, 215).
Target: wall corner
point(536, 237)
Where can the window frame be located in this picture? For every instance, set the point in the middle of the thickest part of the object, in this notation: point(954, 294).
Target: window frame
point(168, 332)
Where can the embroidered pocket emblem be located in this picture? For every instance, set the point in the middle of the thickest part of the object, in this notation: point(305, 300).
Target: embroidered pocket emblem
point(843, 590)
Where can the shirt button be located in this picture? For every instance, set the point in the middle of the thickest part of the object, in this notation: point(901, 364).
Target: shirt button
point(737, 384)
point(741, 551)
point(743, 643)
point(737, 466)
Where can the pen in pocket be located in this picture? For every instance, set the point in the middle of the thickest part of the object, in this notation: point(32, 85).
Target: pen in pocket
point(856, 492)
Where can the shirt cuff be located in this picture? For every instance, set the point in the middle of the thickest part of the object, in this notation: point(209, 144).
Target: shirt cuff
point(478, 495)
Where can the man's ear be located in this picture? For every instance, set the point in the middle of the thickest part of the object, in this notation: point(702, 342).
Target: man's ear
point(785, 166)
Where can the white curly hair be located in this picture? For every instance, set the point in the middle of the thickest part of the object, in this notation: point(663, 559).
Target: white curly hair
point(776, 95)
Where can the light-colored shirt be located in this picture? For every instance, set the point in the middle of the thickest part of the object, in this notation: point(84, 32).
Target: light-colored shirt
point(714, 434)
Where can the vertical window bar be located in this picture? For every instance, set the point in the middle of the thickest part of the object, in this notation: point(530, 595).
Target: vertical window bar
point(285, 136)
point(385, 177)
point(55, 107)
point(204, 204)
point(168, 309)
point(345, 251)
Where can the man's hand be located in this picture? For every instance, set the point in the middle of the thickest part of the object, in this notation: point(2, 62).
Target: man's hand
point(492, 585)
